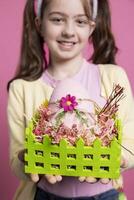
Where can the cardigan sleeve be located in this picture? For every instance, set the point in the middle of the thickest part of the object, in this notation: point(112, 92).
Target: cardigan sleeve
point(16, 121)
point(126, 113)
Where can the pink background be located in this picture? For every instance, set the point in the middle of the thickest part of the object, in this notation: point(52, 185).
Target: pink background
point(10, 35)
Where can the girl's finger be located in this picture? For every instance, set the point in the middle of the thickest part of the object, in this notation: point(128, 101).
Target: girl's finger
point(91, 179)
point(51, 178)
point(34, 177)
point(82, 178)
point(58, 178)
point(104, 180)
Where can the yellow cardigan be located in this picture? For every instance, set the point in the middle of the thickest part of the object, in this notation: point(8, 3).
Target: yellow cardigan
point(25, 97)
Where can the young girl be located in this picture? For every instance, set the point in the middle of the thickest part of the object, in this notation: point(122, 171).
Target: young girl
point(65, 27)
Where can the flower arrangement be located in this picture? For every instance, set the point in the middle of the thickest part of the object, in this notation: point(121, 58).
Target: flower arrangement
point(100, 124)
point(65, 138)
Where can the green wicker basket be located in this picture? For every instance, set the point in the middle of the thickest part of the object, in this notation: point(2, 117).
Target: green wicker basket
point(96, 160)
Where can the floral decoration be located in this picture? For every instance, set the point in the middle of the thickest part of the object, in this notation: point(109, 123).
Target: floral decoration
point(68, 103)
point(104, 126)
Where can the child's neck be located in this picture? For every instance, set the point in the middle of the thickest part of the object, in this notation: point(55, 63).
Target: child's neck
point(61, 70)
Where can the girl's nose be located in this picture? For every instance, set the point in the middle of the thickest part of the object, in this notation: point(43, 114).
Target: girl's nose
point(69, 30)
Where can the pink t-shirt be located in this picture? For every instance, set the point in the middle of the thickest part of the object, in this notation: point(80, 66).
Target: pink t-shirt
point(89, 78)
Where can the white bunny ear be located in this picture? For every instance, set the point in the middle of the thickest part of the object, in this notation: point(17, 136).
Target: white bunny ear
point(95, 9)
point(37, 7)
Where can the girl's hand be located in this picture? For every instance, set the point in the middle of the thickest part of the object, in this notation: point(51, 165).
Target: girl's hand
point(89, 179)
point(93, 180)
point(50, 178)
point(53, 178)
point(35, 177)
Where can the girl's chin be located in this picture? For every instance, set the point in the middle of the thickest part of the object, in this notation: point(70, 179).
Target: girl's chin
point(66, 56)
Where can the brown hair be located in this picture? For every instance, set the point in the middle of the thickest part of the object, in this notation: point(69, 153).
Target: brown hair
point(103, 40)
point(33, 58)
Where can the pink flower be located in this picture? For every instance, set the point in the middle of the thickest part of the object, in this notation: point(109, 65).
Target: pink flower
point(68, 103)
point(37, 131)
point(110, 123)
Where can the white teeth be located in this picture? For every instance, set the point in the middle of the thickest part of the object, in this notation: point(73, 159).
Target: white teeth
point(67, 42)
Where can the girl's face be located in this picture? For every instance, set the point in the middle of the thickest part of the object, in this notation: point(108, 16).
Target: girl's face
point(66, 28)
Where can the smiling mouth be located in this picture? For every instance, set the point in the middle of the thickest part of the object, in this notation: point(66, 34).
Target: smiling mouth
point(67, 42)
point(67, 45)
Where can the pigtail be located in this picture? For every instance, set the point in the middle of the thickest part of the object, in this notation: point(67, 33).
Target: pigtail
point(102, 38)
point(32, 56)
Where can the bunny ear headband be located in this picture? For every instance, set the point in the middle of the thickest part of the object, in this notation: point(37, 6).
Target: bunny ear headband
point(38, 3)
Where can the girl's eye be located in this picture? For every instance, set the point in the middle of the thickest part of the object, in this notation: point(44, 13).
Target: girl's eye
point(82, 22)
point(57, 20)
